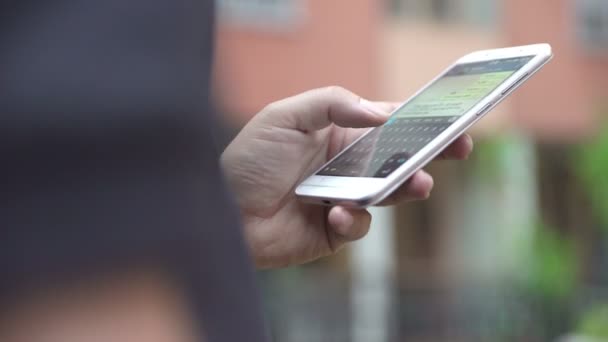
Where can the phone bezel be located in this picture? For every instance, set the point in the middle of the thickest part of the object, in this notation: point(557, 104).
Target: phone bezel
point(367, 191)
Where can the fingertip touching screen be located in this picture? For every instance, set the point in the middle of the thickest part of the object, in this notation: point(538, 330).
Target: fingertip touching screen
point(414, 125)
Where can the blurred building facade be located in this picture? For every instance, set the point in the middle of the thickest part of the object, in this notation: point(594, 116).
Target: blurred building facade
point(570, 95)
point(269, 50)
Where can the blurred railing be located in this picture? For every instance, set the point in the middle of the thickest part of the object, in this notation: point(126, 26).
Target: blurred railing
point(314, 307)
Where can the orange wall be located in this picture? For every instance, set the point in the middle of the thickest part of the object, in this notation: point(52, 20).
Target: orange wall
point(354, 44)
point(334, 44)
point(559, 104)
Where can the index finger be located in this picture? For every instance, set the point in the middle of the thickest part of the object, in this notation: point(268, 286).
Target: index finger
point(319, 108)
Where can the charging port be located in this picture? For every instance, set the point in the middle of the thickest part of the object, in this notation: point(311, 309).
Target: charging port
point(327, 202)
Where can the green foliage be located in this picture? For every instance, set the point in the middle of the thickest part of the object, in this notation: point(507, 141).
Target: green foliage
point(489, 156)
point(552, 265)
point(595, 323)
point(551, 259)
point(592, 168)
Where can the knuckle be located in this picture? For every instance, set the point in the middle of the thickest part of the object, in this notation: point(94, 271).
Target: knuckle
point(337, 91)
point(431, 182)
point(271, 111)
point(271, 108)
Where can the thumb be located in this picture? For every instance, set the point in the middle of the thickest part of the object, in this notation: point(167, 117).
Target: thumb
point(346, 226)
point(319, 108)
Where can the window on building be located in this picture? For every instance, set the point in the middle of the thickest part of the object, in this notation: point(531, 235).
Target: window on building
point(476, 12)
point(436, 9)
point(592, 23)
point(261, 13)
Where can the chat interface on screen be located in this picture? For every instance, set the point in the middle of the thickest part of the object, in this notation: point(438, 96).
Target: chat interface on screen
point(431, 112)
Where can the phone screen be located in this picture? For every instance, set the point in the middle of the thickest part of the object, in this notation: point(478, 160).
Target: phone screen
point(421, 120)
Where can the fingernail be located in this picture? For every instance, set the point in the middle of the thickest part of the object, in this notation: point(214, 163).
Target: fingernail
point(471, 141)
point(428, 194)
point(373, 108)
point(470, 147)
point(429, 179)
point(346, 222)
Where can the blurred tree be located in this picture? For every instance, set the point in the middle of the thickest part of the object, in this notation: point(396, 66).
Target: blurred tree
point(595, 323)
point(547, 264)
point(490, 156)
point(553, 265)
point(592, 166)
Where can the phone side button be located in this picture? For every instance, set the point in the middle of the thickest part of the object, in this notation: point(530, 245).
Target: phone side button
point(515, 84)
point(484, 109)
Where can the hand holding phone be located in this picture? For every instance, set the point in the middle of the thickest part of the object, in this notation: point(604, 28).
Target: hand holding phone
point(379, 162)
point(285, 143)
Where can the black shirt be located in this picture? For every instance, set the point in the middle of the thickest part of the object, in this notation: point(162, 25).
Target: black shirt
point(107, 155)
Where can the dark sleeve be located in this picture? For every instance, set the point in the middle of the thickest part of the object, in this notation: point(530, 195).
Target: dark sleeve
point(107, 159)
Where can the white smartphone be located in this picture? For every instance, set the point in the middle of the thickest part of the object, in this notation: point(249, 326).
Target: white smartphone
point(376, 164)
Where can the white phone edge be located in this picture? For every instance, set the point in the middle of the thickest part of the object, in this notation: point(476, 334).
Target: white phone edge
point(361, 192)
